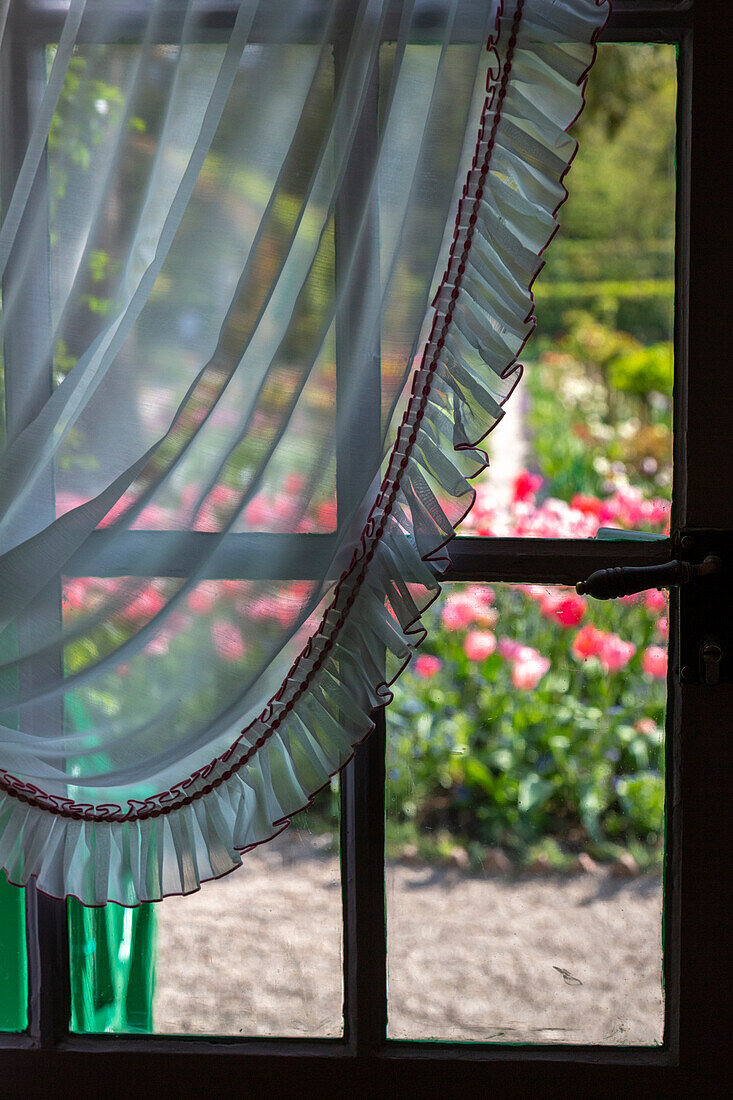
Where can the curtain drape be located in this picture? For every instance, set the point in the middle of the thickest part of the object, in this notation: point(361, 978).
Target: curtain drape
point(266, 275)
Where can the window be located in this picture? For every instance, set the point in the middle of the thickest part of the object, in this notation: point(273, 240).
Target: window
point(697, 724)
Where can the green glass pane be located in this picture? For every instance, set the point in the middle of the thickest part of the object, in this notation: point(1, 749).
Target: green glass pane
point(13, 965)
point(112, 952)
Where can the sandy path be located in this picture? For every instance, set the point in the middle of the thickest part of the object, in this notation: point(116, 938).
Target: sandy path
point(471, 957)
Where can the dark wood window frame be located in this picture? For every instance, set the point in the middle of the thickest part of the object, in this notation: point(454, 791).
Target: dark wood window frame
point(692, 1061)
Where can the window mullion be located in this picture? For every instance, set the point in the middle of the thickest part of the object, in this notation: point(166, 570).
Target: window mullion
point(27, 293)
point(358, 456)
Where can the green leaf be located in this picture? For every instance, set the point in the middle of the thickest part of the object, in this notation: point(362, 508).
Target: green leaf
point(534, 792)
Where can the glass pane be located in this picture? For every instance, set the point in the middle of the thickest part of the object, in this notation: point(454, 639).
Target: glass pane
point(13, 965)
point(525, 820)
point(256, 953)
point(586, 441)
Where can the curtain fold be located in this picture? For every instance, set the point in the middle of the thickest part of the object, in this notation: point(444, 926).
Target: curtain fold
point(237, 437)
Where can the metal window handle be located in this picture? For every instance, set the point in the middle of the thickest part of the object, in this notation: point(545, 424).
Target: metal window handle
point(609, 584)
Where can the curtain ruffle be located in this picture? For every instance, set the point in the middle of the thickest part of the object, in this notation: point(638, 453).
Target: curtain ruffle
point(198, 830)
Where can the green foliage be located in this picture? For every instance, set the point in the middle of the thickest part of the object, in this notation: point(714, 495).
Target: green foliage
point(643, 307)
point(643, 370)
point(642, 798)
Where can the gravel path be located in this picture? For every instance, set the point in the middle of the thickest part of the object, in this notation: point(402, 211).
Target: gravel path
point(530, 958)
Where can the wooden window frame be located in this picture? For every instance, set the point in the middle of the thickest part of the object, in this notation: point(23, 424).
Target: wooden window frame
point(692, 1059)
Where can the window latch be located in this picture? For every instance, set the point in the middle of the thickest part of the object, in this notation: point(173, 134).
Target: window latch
point(609, 584)
point(704, 607)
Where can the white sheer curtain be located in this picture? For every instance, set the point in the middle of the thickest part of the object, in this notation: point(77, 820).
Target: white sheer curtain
point(235, 438)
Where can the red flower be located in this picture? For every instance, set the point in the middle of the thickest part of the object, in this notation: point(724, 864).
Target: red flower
point(589, 506)
point(526, 485)
point(588, 642)
point(566, 608)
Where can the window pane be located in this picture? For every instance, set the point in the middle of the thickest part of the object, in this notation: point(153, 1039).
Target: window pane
point(13, 966)
point(592, 418)
point(525, 821)
point(256, 953)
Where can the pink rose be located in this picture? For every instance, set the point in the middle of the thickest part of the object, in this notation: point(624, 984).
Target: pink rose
point(616, 653)
point(662, 627)
point(654, 662)
point(427, 666)
point(479, 644)
point(646, 726)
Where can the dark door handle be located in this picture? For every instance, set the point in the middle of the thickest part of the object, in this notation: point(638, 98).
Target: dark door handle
point(609, 584)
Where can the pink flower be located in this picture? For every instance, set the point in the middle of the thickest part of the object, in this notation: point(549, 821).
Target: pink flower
point(662, 627)
point(615, 653)
point(159, 645)
point(655, 600)
point(588, 642)
point(457, 611)
point(427, 666)
point(654, 662)
point(528, 669)
point(294, 484)
point(116, 510)
point(326, 515)
point(482, 594)
point(646, 726)
point(75, 593)
point(228, 642)
point(145, 606)
point(508, 648)
point(203, 598)
point(479, 644)
point(223, 496)
point(259, 513)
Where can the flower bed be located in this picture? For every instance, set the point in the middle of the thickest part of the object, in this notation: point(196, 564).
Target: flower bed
point(532, 720)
